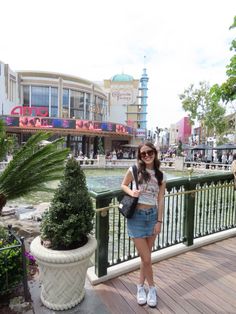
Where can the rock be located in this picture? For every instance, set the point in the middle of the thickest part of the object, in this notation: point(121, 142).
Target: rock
point(28, 228)
point(40, 209)
point(18, 305)
point(8, 210)
point(25, 212)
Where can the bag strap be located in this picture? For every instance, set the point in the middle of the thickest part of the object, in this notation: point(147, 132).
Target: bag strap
point(135, 173)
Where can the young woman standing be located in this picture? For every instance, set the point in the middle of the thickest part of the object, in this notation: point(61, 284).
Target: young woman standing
point(146, 222)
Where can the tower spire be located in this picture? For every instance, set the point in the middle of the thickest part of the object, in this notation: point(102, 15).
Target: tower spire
point(144, 61)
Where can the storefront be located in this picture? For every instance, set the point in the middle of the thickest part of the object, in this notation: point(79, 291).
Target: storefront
point(81, 136)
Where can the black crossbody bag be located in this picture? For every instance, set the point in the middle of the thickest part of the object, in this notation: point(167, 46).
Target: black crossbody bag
point(128, 203)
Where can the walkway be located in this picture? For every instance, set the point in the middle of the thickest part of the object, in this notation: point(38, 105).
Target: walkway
point(199, 281)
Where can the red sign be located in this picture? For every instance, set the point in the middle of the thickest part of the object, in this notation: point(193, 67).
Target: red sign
point(30, 111)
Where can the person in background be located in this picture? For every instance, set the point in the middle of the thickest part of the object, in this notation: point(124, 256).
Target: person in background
point(146, 223)
point(233, 169)
point(230, 158)
point(224, 159)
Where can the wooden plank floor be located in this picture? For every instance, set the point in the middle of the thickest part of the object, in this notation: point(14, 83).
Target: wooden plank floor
point(199, 281)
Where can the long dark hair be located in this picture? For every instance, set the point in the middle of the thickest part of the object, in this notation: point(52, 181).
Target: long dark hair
point(143, 174)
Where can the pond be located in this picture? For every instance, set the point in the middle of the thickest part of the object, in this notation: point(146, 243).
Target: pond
point(97, 180)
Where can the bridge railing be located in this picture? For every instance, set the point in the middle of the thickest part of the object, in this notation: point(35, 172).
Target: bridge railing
point(194, 208)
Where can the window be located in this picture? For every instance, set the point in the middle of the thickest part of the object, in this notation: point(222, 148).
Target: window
point(76, 104)
point(40, 96)
point(26, 96)
point(54, 102)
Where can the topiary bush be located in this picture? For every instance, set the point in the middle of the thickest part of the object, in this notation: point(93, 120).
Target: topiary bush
point(69, 220)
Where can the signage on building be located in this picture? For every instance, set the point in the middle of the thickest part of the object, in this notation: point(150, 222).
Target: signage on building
point(141, 133)
point(40, 122)
point(80, 125)
point(30, 111)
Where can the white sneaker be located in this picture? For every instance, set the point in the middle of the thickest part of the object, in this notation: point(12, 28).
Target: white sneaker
point(141, 295)
point(152, 297)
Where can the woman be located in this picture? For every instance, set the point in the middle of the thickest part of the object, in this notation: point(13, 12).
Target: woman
point(146, 222)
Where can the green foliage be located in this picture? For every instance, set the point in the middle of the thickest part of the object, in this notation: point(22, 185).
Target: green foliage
point(11, 270)
point(203, 105)
point(31, 167)
point(231, 68)
point(179, 150)
point(3, 234)
point(69, 219)
point(228, 88)
point(3, 141)
point(100, 147)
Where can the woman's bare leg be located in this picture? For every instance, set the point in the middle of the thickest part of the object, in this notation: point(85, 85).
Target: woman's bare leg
point(144, 247)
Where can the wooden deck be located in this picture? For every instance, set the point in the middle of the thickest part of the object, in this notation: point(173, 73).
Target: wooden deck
point(199, 281)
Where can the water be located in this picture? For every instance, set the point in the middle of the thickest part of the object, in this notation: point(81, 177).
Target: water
point(98, 180)
point(110, 179)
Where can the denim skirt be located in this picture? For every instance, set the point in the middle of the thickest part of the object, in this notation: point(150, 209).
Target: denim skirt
point(141, 224)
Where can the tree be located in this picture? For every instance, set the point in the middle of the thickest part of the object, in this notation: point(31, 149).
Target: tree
point(31, 167)
point(69, 220)
point(6, 142)
point(228, 88)
point(100, 146)
point(179, 149)
point(227, 91)
point(203, 105)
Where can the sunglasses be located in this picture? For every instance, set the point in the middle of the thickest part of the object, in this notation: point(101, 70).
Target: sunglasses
point(148, 153)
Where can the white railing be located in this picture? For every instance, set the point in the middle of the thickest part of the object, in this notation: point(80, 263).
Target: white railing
point(118, 163)
point(88, 162)
point(204, 165)
point(126, 163)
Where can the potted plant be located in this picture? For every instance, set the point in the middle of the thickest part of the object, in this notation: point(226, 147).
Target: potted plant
point(101, 154)
point(65, 245)
point(179, 158)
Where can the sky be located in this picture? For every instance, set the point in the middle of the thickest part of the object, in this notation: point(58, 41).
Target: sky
point(179, 42)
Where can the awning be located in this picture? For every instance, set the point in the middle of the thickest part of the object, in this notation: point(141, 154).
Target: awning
point(226, 146)
point(202, 147)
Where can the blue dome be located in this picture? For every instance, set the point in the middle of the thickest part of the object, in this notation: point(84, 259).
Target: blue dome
point(122, 78)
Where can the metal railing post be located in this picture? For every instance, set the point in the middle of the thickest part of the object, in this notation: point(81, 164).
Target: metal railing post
point(25, 282)
point(189, 205)
point(102, 236)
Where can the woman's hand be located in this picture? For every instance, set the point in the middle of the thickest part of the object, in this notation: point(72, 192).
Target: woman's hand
point(157, 228)
point(135, 193)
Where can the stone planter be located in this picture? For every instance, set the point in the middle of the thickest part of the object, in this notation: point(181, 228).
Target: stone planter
point(179, 163)
point(62, 273)
point(101, 160)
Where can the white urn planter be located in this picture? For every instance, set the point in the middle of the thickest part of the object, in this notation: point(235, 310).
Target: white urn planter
point(101, 160)
point(62, 273)
point(179, 163)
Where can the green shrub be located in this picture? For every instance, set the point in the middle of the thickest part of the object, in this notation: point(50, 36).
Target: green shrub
point(69, 220)
point(11, 270)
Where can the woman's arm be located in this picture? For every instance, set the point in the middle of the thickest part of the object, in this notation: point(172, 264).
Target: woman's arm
point(160, 201)
point(125, 185)
point(160, 206)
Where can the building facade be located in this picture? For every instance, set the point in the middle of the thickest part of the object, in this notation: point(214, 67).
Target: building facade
point(66, 105)
point(127, 102)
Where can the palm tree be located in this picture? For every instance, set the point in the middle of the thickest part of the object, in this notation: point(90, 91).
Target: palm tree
point(3, 141)
point(31, 167)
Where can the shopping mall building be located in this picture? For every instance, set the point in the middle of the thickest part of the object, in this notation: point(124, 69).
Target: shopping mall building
point(78, 109)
